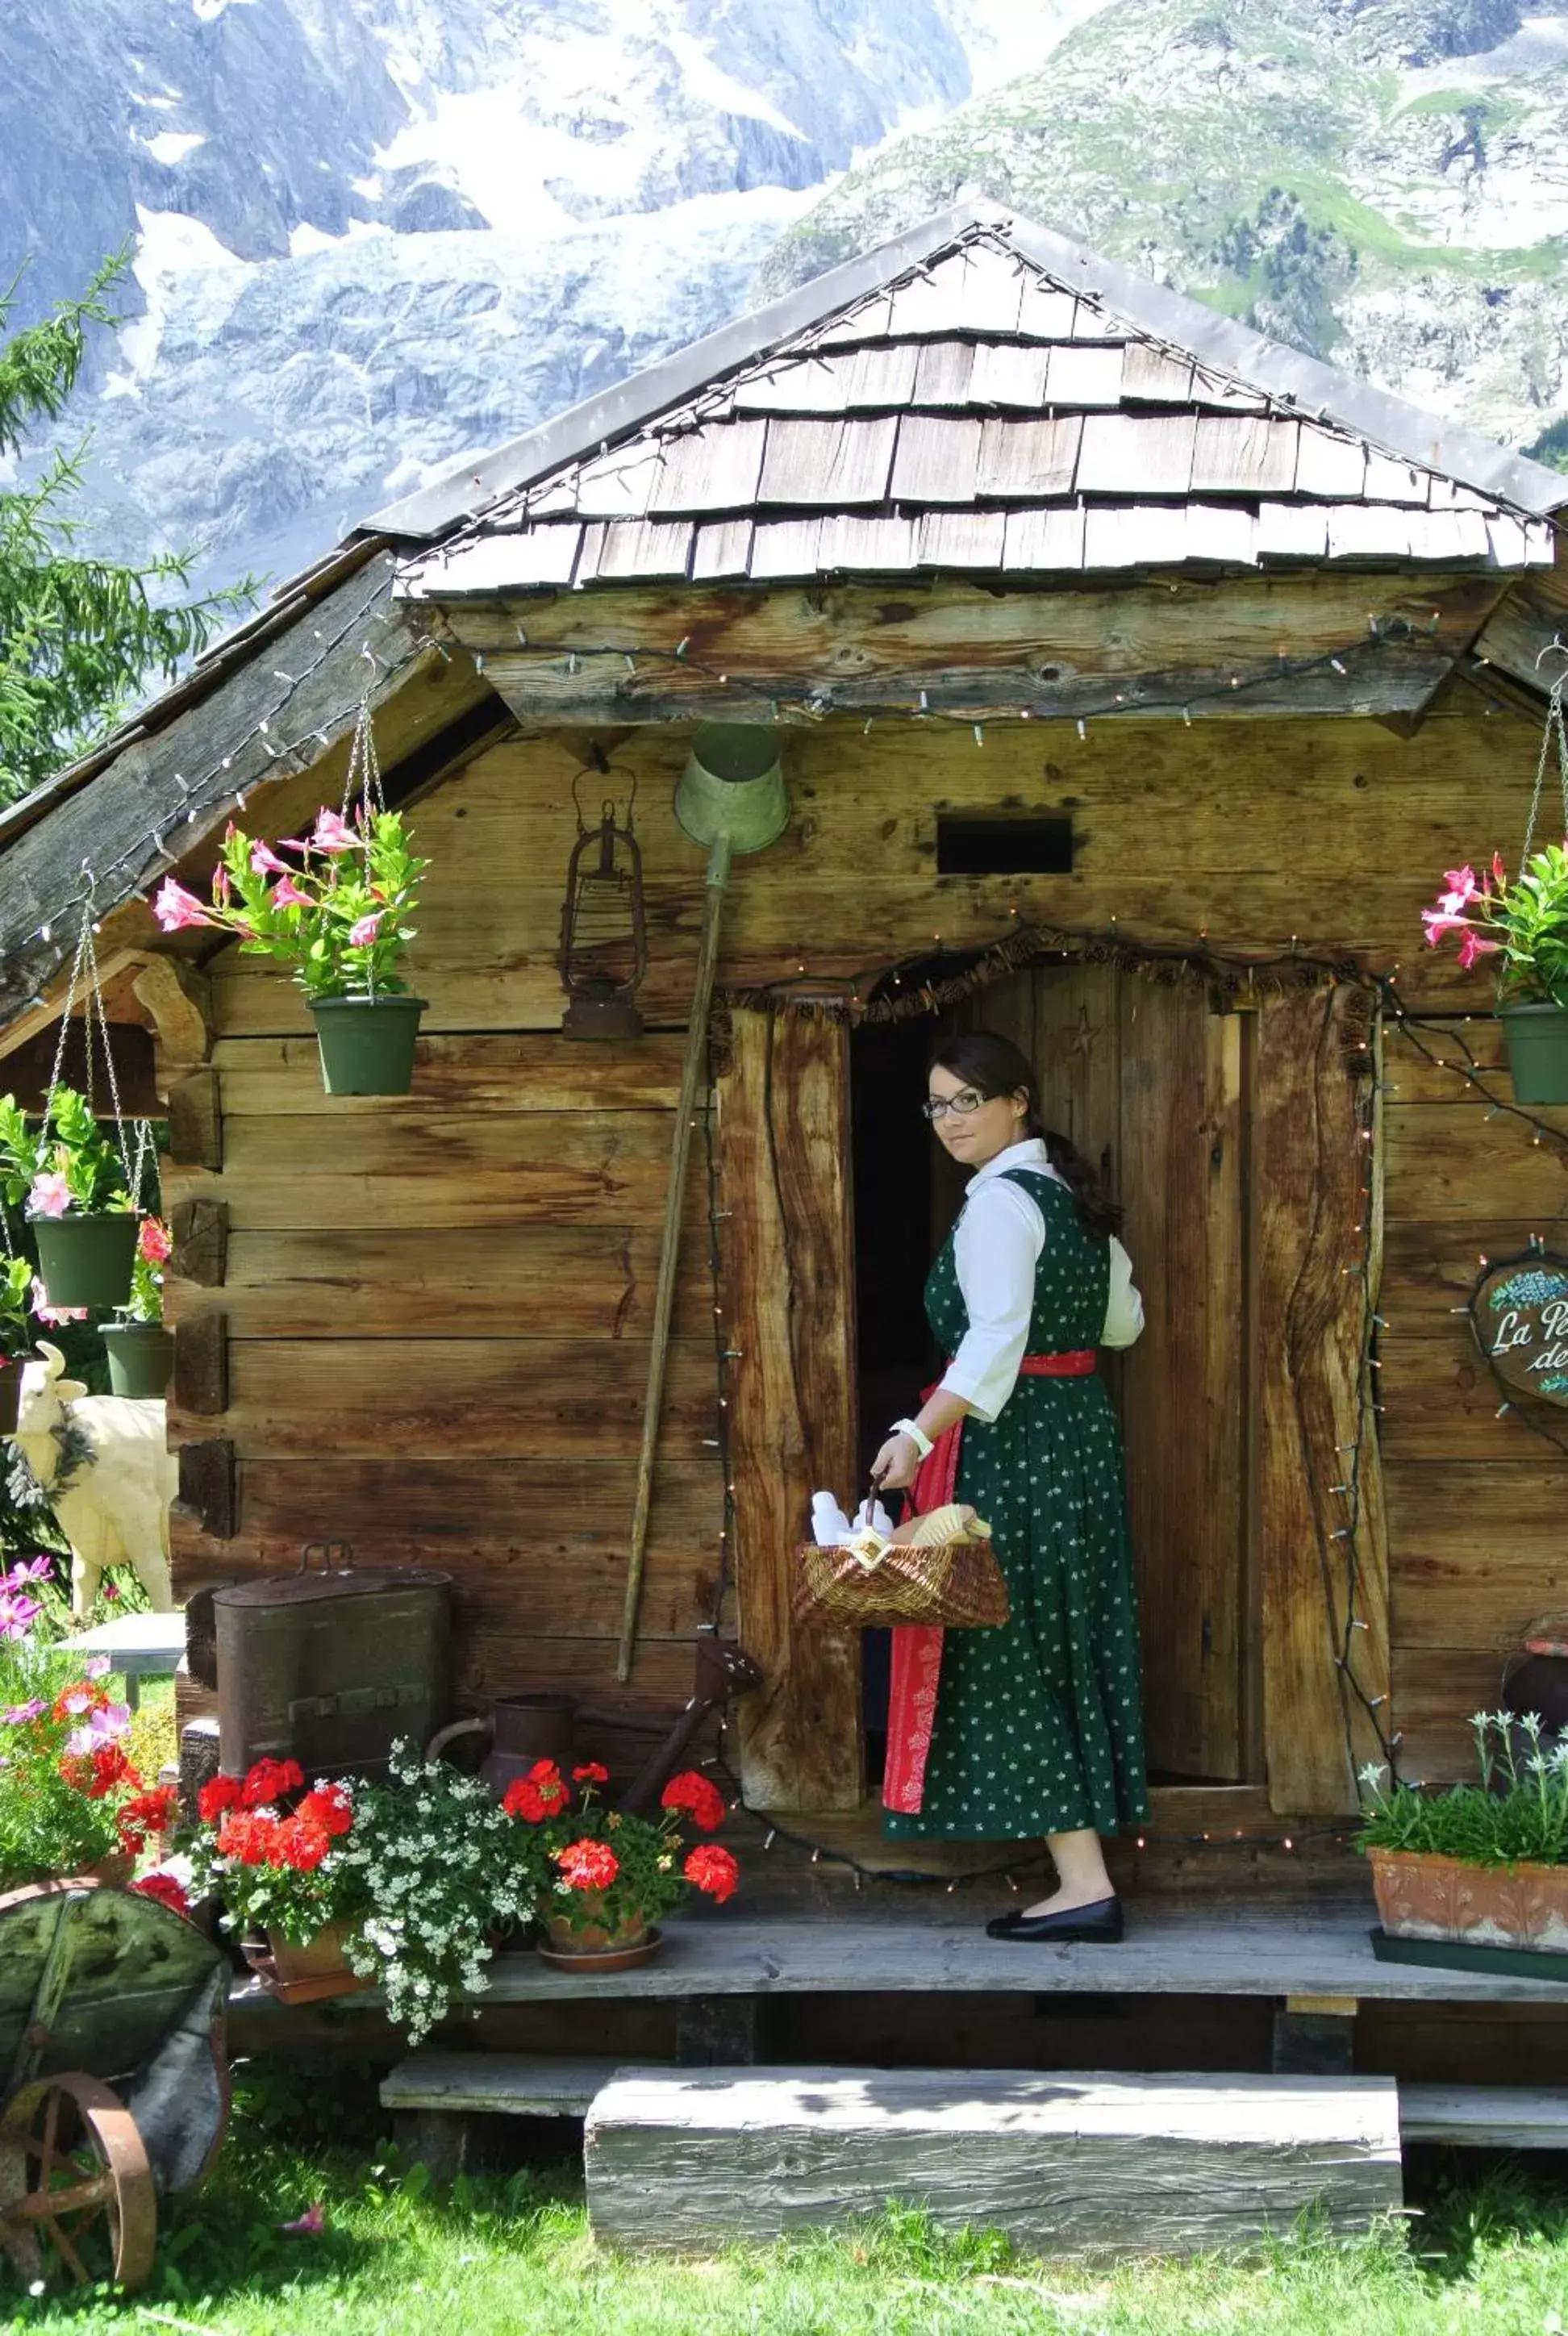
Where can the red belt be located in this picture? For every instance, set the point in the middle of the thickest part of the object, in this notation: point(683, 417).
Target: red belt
point(918, 1650)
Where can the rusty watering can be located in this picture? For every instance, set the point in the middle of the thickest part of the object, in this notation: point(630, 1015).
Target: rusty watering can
point(523, 1729)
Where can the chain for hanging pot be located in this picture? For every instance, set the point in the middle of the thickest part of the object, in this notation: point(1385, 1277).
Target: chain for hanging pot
point(363, 779)
point(87, 979)
point(1554, 734)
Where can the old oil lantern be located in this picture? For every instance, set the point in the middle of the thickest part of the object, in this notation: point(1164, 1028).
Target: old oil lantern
point(603, 934)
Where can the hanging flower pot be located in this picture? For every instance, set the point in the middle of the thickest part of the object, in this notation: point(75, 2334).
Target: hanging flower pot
point(87, 1259)
point(367, 1042)
point(141, 1358)
point(1536, 1037)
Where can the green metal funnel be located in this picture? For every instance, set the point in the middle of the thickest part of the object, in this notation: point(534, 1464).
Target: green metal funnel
point(732, 791)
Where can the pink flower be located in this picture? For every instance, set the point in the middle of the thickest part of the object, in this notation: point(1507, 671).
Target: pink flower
point(47, 1313)
point(1499, 873)
point(1473, 946)
point(1462, 885)
point(18, 1614)
point(102, 1726)
point(36, 1569)
point(309, 2226)
point(1438, 921)
point(264, 861)
point(51, 1193)
point(175, 908)
point(362, 934)
point(153, 1242)
point(97, 1666)
point(331, 833)
point(20, 1713)
point(286, 894)
point(76, 1702)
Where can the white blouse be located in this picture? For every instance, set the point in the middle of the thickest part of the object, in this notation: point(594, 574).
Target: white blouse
point(997, 1246)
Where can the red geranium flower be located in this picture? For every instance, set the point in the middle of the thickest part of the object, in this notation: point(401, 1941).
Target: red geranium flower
point(698, 1796)
point(166, 1890)
point(301, 1844)
point(551, 1784)
point(269, 1780)
point(590, 1772)
point(219, 1794)
point(588, 1864)
point(524, 1799)
point(249, 1837)
point(713, 1870)
point(328, 1806)
point(146, 1813)
point(107, 1767)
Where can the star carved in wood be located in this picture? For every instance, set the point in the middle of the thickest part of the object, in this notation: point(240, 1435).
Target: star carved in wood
point(1085, 1036)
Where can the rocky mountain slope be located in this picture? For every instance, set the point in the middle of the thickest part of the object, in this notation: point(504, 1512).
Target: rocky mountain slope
point(371, 235)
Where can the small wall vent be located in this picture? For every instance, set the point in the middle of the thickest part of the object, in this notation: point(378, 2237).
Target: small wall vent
point(1004, 844)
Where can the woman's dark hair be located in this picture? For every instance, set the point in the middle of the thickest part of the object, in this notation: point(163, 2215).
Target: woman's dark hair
point(993, 1066)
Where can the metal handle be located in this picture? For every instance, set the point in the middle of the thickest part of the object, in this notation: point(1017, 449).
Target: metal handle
point(342, 1550)
point(445, 1736)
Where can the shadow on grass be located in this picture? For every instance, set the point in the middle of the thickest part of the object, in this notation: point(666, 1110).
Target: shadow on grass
point(1470, 2200)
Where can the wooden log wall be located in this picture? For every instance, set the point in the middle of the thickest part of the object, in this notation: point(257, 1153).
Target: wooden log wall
point(1475, 1501)
point(435, 1310)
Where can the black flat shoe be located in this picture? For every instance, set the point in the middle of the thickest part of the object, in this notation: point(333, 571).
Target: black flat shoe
point(1099, 1926)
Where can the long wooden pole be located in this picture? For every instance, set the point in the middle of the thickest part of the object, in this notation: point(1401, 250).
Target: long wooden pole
point(718, 863)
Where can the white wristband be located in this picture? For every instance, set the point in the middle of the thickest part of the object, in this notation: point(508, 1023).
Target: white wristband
point(917, 1436)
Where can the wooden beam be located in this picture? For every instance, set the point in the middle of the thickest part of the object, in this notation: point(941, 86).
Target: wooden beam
point(1311, 1174)
point(1527, 620)
point(789, 1282)
point(673, 654)
point(179, 996)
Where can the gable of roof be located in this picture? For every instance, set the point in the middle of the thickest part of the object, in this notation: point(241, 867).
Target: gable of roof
point(979, 394)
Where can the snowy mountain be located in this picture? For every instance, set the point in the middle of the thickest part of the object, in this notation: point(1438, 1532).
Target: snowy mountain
point(372, 235)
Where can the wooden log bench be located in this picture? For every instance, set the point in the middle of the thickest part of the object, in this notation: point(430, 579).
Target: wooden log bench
point(687, 2161)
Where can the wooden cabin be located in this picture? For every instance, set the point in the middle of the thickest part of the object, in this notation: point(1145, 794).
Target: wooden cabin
point(1134, 680)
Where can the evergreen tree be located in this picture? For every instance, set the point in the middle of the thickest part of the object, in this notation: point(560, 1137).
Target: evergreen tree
point(81, 638)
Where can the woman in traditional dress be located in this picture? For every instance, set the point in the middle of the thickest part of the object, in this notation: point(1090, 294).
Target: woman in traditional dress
point(1035, 1728)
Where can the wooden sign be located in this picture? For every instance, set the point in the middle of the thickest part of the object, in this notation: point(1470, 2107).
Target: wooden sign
point(1520, 1311)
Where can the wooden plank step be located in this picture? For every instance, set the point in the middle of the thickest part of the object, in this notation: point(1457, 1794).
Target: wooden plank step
point(1485, 2117)
point(505, 2084)
point(1066, 2165)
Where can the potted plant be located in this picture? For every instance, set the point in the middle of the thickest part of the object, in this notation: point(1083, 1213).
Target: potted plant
point(16, 1296)
point(71, 1799)
point(72, 1183)
point(140, 1350)
point(1524, 923)
point(603, 1875)
point(442, 1875)
point(276, 1855)
point(1486, 1863)
point(337, 913)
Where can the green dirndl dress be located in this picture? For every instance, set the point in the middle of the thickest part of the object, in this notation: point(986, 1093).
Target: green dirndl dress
point(1039, 1725)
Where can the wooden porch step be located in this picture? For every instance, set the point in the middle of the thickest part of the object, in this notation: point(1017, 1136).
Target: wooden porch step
point(504, 2084)
point(685, 2160)
point(1485, 2117)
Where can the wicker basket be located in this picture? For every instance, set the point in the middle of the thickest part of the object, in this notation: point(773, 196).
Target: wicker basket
point(948, 1579)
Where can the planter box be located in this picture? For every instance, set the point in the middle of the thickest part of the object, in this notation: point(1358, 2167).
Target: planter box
point(1421, 1897)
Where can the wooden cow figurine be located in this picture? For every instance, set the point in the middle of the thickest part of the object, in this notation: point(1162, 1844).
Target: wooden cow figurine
point(113, 1505)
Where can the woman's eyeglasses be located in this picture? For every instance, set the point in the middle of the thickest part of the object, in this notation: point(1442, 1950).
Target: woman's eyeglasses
point(963, 1103)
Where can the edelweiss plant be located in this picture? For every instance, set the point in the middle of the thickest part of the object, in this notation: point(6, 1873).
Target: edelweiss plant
point(438, 1867)
point(1517, 1813)
point(597, 1868)
point(337, 912)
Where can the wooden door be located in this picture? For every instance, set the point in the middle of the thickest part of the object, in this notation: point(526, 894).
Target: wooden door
point(1148, 1081)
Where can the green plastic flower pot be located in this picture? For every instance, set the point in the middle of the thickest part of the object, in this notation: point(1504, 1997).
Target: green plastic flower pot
point(367, 1042)
point(141, 1358)
point(87, 1260)
point(1536, 1037)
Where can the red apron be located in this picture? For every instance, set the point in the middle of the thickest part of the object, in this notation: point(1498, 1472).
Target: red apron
point(917, 1647)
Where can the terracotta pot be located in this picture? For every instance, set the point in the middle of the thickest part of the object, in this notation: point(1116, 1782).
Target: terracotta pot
point(308, 1973)
point(116, 1867)
point(593, 1938)
point(1420, 1896)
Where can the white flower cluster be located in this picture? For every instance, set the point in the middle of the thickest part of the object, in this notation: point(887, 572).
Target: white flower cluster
point(441, 1868)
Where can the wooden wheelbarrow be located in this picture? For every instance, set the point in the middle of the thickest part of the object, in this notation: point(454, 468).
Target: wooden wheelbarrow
point(111, 2035)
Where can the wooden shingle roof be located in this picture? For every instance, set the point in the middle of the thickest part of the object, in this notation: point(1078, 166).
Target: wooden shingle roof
point(981, 411)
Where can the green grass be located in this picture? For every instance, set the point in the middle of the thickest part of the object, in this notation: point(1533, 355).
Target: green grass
point(1487, 2254)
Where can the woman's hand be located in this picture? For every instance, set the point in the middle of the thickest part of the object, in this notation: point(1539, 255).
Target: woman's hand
point(896, 1464)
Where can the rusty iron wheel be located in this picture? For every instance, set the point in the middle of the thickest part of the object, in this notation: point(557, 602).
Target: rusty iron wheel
point(76, 2194)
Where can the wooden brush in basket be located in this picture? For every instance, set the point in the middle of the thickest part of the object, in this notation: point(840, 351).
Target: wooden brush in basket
point(944, 1575)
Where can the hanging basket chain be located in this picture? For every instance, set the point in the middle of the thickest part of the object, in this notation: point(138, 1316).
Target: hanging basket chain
point(363, 775)
point(1554, 730)
point(86, 977)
